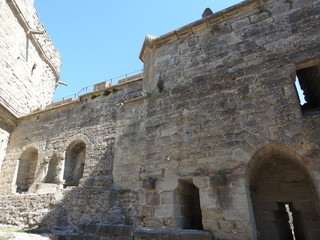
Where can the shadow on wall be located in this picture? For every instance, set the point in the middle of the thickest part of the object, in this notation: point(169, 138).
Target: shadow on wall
point(27, 168)
point(81, 199)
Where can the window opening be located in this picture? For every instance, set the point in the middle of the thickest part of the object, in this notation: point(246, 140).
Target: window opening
point(290, 216)
point(300, 92)
point(308, 80)
point(285, 223)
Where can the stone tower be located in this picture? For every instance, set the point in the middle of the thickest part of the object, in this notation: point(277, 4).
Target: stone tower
point(29, 65)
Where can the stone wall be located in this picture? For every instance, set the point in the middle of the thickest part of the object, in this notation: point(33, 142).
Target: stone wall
point(90, 120)
point(218, 104)
point(28, 61)
point(4, 138)
point(228, 91)
point(29, 65)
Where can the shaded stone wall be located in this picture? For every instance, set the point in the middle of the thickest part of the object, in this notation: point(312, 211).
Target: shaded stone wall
point(90, 120)
point(215, 92)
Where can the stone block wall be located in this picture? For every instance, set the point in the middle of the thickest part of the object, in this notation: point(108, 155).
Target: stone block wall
point(28, 80)
point(90, 120)
point(218, 104)
point(29, 65)
point(228, 90)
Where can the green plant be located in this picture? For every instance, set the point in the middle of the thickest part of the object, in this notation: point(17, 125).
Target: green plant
point(10, 229)
point(262, 10)
point(215, 28)
point(160, 85)
point(4, 238)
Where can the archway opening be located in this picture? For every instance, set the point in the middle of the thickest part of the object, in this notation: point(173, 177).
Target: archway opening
point(52, 170)
point(283, 197)
point(26, 170)
point(74, 163)
point(188, 199)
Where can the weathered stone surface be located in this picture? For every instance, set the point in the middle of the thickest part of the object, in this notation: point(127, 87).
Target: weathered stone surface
point(219, 115)
point(144, 234)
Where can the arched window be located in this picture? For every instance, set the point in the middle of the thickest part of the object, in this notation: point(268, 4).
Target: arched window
point(190, 216)
point(27, 167)
point(52, 170)
point(74, 163)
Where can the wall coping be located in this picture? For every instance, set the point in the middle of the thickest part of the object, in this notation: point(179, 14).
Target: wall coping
point(180, 33)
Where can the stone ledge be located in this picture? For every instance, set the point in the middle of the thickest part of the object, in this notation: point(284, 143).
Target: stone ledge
point(106, 230)
point(174, 234)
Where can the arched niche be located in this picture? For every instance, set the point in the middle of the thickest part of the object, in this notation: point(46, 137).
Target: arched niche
point(283, 195)
point(52, 172)
point(27, 166)
point(187, 199)
point(74, 163)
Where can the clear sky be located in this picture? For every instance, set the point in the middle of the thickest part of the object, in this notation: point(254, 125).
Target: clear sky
point(102, 39)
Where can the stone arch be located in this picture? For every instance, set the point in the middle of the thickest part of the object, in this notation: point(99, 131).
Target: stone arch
point(26, 170)
point(281, 186)
point(74, 163)
point(187, 199)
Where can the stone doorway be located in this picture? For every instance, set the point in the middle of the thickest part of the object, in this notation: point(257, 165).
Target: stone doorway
point(187, 196)
point(284, 199)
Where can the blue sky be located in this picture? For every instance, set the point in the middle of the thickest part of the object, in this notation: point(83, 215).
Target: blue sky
point(102, 39)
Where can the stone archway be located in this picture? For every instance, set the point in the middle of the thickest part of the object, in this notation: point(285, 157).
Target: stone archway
point(283, 194)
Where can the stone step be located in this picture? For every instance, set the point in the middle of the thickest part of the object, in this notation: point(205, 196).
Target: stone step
point(174, 234)
point(106, 230)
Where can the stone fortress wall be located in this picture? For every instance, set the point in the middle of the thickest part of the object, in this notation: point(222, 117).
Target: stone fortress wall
point(29, 65)
point(211, 137)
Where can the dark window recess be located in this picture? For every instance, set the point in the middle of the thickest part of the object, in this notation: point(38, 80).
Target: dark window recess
point(309, 81)
point(189, 201)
